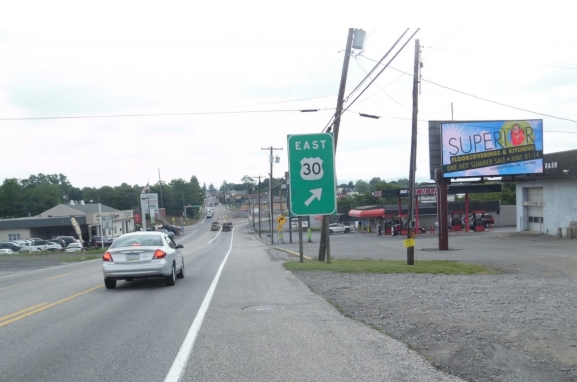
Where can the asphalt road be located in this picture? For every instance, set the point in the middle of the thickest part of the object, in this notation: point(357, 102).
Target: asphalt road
point(238, 315)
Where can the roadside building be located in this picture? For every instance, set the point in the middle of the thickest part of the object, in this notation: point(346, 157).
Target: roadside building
point(56, 222)
point(547, 203)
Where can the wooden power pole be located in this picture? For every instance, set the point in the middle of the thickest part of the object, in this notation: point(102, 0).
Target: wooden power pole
point(412, 230)
point(324, 247)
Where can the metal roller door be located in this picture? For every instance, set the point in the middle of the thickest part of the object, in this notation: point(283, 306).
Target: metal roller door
point(535, 209)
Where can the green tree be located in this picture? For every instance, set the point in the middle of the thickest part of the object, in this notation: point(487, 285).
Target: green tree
point(248, 182)
point(11, 199)
point(41, 197)
point(509, 194)
point(373, 182)
point(361, 186)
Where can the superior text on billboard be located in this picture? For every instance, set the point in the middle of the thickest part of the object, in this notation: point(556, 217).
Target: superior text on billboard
point(492, 148)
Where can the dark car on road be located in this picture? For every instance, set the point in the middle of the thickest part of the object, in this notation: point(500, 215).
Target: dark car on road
point(97, 241)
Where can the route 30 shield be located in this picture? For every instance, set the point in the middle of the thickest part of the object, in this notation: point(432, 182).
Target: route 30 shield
point(312, 168)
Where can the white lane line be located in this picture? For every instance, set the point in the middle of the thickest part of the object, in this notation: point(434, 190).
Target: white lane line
point(219, 231)
point(180, 239)
point(181, 360)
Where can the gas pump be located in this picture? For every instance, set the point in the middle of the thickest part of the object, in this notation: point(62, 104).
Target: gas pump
point(456, 221)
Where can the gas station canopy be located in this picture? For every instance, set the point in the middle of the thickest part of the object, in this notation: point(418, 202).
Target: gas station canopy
point(374, 213)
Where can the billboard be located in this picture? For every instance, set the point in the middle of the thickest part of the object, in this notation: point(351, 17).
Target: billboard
point(492, 148)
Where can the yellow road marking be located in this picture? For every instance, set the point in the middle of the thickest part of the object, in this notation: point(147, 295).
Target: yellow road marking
point(42, 307)
point(22, 311)
point(35, 281)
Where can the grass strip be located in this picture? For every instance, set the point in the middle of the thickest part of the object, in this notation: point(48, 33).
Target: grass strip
point(391, 266)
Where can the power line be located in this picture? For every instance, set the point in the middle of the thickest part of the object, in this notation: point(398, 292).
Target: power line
point(334, 117)
point(154, 114)
point(518, 61)
point(377, 76)
point(499, 103)
point(384, 92)
point(481, 98)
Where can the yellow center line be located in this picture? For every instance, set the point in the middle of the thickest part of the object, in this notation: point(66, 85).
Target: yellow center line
point(42, 307)
point(22, 311)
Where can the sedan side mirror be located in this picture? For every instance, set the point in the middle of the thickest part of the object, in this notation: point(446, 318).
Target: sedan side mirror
point(179, 246)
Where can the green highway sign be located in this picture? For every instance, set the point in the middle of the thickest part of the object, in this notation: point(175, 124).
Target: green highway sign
point(312, 174)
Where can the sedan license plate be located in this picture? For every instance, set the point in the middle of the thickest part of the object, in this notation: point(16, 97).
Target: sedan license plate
point(132, 256)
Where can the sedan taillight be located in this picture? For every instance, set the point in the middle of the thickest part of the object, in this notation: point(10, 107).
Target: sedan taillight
point(107, 257)
point(159, 254)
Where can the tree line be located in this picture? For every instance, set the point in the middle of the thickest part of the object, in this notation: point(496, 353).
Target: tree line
point(38, 193)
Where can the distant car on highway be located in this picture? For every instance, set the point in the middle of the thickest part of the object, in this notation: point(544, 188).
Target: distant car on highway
point(215, 226)
point(143, 255)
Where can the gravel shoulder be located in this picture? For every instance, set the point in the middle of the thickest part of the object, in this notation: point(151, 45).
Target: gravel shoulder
point(519, 325)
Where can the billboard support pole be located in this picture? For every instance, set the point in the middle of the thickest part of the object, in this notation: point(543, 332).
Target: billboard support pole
point(442, 210)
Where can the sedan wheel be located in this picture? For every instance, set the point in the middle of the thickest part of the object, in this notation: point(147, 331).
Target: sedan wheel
point(171, 280)
point(330, 231)
point(180, 275)
point(347, 230)
point(109, 284)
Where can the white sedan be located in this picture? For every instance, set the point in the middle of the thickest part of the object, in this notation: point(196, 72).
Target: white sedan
point(338, 227)
point(143, 255)
point(50, 246)
point(74, 247)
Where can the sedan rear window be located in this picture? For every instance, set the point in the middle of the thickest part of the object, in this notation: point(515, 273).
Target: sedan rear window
point(137, 240)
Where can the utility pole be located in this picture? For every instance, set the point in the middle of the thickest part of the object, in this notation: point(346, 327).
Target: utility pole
point(324, 247)
point(412, 230)
point(271, 200)
point(259, 208)
point(160, 184)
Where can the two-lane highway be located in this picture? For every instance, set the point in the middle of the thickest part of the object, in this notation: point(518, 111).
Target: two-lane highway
point(236, 316)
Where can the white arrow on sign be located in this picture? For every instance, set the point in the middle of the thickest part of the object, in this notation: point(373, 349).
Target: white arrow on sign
point(316, 194)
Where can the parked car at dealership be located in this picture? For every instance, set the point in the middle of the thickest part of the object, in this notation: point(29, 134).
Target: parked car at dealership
point(98, 241)
point(74, 247)
point(9, 245)
point(66, 239)
point(51, 246)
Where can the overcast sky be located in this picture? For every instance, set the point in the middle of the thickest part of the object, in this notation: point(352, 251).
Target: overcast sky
point(106, 103)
